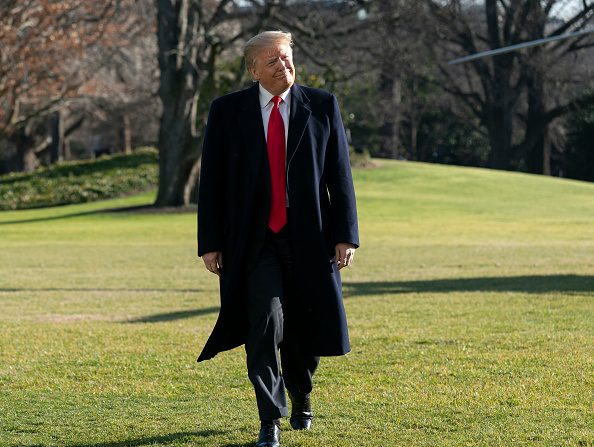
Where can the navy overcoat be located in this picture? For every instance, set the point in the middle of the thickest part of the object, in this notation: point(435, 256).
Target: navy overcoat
point(322, 210)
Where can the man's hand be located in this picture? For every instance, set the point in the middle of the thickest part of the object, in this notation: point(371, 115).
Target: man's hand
point(345, 253)
point(213, 261)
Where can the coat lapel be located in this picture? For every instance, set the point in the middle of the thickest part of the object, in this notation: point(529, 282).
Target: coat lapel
point(252, 130)
point(250, 119)
point(299, 115)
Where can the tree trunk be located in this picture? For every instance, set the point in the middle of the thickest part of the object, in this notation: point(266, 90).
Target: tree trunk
point(546, 152)
point(500, 95)
point(26, 158)
point(126, 134)
point(67, 150)
point(534, 145)
point(57, 131)
point(499, 124)
point(390, 100)
point(414, 133)
point(30, 160)
point(177, 30)
point(190, 189)
point(390, 87)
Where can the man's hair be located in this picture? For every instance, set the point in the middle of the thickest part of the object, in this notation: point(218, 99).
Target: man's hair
point(265, 39)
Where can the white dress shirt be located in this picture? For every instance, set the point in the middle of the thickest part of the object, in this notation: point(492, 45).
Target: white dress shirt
point(284, 107)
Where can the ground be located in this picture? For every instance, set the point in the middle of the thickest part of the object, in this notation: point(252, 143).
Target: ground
point(470, 306)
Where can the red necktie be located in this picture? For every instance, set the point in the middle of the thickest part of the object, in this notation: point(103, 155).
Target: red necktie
point(276, 161)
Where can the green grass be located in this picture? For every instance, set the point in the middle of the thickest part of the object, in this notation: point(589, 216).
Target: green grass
point(80, 181)
point(471, 310)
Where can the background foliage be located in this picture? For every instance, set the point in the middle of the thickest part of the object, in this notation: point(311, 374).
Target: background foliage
point(144, 72)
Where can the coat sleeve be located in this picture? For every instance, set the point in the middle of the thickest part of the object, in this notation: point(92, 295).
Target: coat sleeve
point(211, 186)
point(340, 182)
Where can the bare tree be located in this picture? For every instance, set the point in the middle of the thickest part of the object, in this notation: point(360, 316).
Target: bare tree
point(492, 89)
point(44, 62)
point(193, 36)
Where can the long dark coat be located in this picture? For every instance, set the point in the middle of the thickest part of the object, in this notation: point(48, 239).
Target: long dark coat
point(234, 202)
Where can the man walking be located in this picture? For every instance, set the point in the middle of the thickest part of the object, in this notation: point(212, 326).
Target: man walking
point(277, 221)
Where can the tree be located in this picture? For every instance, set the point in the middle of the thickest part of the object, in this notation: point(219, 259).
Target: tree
point(192, 37)
point(122, 95)
point(200, 57)
point(579, 157)
point(47, 58)
point(336, 46)
point(493, 89)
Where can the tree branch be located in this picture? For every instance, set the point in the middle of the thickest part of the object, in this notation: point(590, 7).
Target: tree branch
point(575, 104)
point(582, 15)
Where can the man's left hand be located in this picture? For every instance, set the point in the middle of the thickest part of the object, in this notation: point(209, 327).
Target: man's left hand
point(345, 253)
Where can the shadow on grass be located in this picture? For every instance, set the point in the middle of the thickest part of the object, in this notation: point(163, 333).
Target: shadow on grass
point(50, 218)
point(524, 284)
point(94, 289)
point(162, 439)
point(170, 316)
point(140, 209)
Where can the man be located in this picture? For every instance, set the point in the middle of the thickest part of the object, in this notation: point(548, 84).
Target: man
point(277, 221)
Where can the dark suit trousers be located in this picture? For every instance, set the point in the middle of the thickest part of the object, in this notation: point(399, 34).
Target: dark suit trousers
point(274, 323)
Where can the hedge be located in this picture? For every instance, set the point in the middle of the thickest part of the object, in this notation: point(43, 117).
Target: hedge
point(80, 181)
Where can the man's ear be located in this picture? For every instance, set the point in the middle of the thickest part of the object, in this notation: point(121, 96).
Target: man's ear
point(255, 74)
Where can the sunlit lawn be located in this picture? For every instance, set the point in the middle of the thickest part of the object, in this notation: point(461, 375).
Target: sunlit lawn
point(471, 310)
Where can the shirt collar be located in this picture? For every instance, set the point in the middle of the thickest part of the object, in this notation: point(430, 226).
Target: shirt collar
point(266, 96)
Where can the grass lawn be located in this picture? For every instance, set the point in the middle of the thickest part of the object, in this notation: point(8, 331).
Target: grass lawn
point(471, 311)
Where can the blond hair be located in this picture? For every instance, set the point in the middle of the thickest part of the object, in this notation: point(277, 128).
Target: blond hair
point(265, 39)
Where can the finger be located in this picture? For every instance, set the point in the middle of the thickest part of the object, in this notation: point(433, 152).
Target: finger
point(343, 262)
point(337, 255)
point(220, 260)
point(350, 257)
point(215, 267)
point(211, 266)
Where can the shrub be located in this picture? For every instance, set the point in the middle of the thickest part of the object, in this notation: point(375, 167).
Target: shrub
point(80, 181)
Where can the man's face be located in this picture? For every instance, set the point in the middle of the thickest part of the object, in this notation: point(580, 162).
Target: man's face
point(274, 68)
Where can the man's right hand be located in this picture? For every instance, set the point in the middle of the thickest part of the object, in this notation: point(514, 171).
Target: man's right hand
point(213, 261)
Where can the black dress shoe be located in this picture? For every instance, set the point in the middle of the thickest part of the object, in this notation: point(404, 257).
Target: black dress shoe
point(301, 414)
point(269, 436)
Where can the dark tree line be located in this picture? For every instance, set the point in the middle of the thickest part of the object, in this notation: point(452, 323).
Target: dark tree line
point(510, 94)
point(145, 71)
